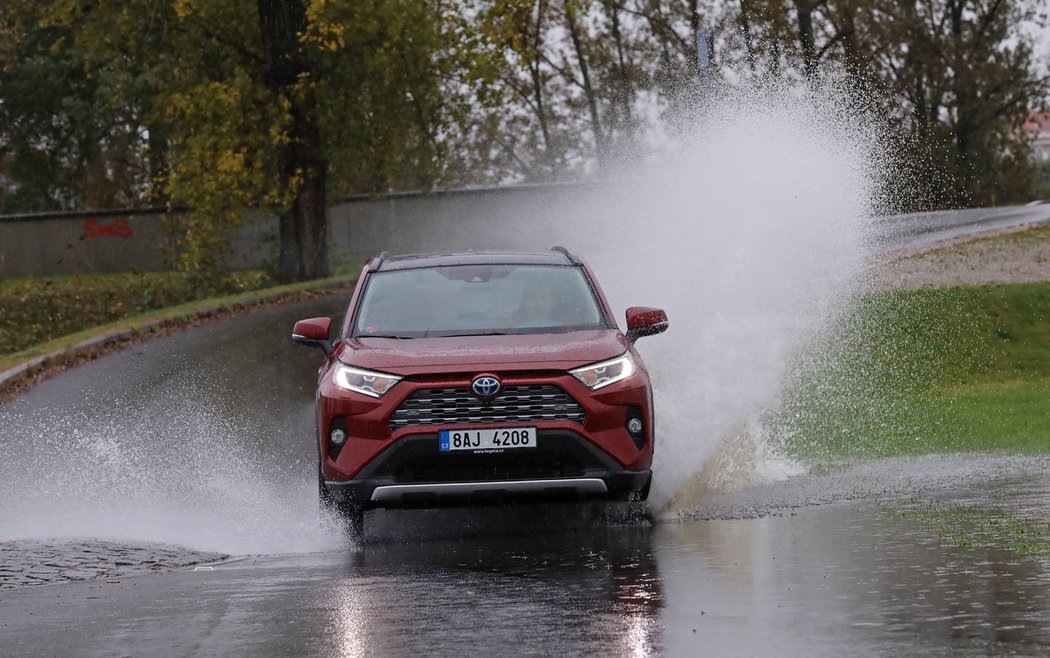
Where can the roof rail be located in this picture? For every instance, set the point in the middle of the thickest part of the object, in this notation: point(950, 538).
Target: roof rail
point(377, 262)
point(562, 250)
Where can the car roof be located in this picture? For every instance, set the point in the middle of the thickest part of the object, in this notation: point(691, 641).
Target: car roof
point(385, 262)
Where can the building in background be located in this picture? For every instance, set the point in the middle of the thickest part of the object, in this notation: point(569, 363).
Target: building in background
point(1038, 126)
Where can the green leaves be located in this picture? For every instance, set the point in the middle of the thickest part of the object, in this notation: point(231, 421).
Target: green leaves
point(37, 309)
point(183, 96)
point(193, 102)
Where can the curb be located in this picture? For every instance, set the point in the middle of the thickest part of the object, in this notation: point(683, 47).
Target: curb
point(908, 252)
point(10, 378)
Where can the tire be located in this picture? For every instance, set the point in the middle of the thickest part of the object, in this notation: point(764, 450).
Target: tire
point(354, 518)
point(643, 493)
point(352, 515)
point(636, 495)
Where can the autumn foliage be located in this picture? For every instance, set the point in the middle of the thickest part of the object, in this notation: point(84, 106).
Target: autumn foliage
point(237, 108)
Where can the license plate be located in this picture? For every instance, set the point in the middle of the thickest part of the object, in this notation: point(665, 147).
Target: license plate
point(488, 439)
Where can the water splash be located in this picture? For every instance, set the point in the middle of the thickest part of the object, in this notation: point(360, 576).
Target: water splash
point(176, 471)
point(752, 234)
point(750, 230)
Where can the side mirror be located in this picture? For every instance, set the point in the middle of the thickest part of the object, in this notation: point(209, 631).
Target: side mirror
point(313, 332)
point(645, 321)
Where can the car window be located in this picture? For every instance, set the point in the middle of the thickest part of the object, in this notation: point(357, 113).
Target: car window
point(477, 299)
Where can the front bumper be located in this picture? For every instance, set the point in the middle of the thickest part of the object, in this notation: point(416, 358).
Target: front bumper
point(414, 473)
point(370, 494)
point(367, 421)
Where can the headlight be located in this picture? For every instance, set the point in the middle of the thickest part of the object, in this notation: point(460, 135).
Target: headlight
point(599, 375)
point(366, 382)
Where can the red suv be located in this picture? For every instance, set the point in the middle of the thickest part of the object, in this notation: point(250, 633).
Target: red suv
point(475, 377)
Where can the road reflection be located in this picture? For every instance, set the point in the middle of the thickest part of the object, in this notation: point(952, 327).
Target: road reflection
point(809, 583)
point(573, 591)
point(349, 615)
point(816, 581)
point(230, 470)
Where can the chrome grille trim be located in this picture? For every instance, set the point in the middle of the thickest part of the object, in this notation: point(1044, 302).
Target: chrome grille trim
point(526, 403)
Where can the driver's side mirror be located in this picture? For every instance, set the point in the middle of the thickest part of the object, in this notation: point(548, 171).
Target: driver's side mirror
point(313, 332)
point(645, 321)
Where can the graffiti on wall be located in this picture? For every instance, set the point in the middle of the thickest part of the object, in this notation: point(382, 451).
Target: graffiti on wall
point(119, 228)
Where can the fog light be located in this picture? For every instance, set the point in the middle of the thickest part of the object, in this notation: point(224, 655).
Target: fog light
point(634, 425)
point(337, 436)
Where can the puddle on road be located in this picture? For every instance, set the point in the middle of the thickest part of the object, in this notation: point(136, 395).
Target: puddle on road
point(783, 568)
point(812, 582)
point(849, 574)
point(975, 477)
point(28, 563)
point(803, 567)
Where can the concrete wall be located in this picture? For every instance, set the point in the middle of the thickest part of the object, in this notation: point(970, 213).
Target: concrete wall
point(527, 216)
point(117, 241)
point(465, 219)
point(66, 244)
point(108, 241)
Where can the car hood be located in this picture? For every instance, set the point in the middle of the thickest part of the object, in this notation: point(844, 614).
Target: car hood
point(418, 356)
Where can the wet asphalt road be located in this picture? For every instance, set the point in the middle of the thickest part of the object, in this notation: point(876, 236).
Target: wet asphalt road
point(845, 577)
point(904, 233)
point(118, 474)
point(829, 581)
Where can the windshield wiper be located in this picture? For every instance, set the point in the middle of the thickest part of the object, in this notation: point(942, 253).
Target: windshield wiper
point(481, 333)
point(386, 336)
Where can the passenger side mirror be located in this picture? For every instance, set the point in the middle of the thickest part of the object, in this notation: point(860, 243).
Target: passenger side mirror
point(645, 321)
point(313, 332)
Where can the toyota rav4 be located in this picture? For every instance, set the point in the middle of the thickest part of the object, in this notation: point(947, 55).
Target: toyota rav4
point(479, 377)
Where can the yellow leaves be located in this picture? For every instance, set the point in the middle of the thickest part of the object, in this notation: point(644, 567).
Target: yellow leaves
point(184, 8)
point(322, 29)
point(226, 162)
point(330, 37)
point(58, 13)
point(231, 162)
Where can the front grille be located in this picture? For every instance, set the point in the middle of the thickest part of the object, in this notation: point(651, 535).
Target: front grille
point(515, 404)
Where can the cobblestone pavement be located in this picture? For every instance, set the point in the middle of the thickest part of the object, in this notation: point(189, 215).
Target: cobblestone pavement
point(28, 563)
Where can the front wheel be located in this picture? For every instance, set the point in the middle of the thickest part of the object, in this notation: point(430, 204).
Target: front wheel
point(351, 514)
point(636, 495)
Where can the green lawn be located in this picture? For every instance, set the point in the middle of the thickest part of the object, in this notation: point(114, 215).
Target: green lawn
point(916, 372)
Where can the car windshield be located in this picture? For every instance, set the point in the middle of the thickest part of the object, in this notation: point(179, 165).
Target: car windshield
point(464, 300)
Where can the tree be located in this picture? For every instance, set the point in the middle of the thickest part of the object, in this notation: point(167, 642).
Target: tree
point(572, 75)
point(963, 80)
point(241, 107)
point(235, 106)
point(954, 78)
point(65, 142)
point(301, 167)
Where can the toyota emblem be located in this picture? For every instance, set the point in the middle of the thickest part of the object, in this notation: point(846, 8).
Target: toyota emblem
point(485, 386)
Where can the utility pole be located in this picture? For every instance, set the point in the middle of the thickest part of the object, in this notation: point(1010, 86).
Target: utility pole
point(705, 49)
point(705, 57)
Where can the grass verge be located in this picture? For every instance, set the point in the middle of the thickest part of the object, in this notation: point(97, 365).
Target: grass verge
point(931, 371)
point(925, 371)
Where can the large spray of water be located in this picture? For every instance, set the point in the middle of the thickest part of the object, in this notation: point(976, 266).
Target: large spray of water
point(751, 234)
point(750, 231)
point(174, 468)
